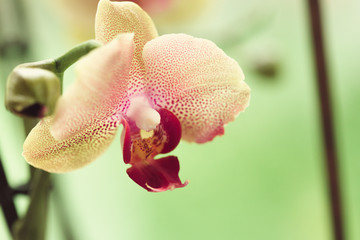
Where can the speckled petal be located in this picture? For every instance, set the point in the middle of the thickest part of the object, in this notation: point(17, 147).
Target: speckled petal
point(99, 91)
point(113, 18)
point(41, 150)
point(196, 81)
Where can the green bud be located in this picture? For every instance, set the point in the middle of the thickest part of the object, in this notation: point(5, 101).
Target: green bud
point(32, 92)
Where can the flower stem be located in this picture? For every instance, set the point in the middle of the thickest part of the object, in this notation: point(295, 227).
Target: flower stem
point(6, 199)
point(13, 46)
point(66, 60)
point(331, 156)
point(60, 64)
point(33, 224)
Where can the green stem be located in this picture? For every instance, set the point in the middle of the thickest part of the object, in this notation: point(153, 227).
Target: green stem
point(33, 224)
point(65, 61)
point(60, 64)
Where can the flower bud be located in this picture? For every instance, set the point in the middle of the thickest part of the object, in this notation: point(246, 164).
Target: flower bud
point(32, 92)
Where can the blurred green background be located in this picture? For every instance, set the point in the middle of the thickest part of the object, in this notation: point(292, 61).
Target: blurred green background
point(264, 179)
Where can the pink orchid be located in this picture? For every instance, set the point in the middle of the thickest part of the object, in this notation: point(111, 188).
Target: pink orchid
point(161, 89)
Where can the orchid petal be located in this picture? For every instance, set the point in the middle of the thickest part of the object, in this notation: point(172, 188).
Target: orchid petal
point(113, 18)
point(197, 81)
point(42, 151)
point(99, 91)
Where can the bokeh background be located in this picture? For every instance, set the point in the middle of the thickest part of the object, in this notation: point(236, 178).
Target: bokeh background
point(264, 179)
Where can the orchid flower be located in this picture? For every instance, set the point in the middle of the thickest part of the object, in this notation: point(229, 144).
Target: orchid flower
point(160, 88)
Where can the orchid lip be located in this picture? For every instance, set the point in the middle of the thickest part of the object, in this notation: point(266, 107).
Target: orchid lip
point(140, 148)
point(157, 175)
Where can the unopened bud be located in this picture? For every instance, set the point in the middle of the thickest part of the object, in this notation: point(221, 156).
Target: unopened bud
point(32, 92)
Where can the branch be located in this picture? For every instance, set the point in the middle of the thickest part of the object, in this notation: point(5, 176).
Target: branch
point(330, 149)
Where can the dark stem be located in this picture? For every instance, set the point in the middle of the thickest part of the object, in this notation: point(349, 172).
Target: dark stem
point(331, 161)
point(13, 46)
point(33, 224)
point(6, 199)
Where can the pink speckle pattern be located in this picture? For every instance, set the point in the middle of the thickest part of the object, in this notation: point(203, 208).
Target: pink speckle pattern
point(197, 81)
point(42, 151)
point(113, 18)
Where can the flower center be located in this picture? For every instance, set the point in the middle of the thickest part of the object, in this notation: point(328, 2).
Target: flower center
point(140, 111)
point(146, 134)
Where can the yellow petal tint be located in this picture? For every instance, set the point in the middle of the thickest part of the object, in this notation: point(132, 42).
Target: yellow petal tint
point(196, 81)
point(113, 18)
point(88, 114)
point(42, 151)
